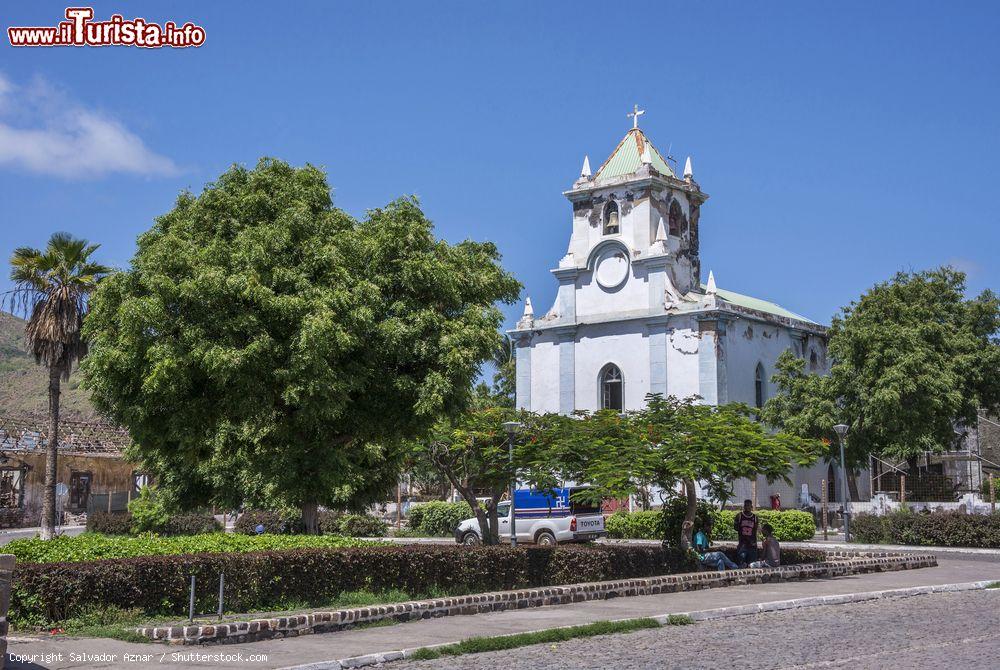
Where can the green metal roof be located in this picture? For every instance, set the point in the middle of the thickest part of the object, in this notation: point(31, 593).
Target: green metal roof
point(626, 158)
point(759, 305)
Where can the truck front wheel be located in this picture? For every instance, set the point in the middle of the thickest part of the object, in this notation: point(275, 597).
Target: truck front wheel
point(545, 539)
point(470, 539)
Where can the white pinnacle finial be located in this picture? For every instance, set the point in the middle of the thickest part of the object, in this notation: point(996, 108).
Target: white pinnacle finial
point(688, 172)
point(585, 172)
point(661, 232)
point(528, 311)
point(635, 114)
point(710, 286)
point(647, 155)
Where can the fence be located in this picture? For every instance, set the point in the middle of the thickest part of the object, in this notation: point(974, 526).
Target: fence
point(115, 501)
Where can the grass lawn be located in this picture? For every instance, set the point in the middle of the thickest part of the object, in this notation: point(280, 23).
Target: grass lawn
point(476, 645)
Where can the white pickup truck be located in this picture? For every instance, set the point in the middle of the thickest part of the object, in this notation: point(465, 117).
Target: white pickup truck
point(541, 518)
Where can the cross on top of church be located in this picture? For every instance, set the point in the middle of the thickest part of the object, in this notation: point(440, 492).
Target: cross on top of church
point(635, 114)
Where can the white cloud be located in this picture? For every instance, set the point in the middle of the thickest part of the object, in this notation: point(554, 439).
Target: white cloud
point(43, 131)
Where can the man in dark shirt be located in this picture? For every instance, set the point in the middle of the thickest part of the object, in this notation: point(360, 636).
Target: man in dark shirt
point(746, 535)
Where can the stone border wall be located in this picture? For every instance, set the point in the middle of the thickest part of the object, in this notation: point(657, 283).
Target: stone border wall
point(843, 563)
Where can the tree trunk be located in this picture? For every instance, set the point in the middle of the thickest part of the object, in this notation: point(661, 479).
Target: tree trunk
point(51, 456)
point(487, 532)
point(491, 514)
point(310, 518)
point(687, 528)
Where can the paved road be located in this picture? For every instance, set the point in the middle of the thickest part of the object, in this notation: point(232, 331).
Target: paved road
point(953, 630)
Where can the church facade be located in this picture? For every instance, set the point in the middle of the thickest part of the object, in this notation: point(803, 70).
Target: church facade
point(631, 316)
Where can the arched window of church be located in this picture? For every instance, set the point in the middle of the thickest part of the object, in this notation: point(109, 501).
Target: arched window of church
point(758, 386)
point(612, 388)
point(611, 226)
point(813, 361)
point(677, 222)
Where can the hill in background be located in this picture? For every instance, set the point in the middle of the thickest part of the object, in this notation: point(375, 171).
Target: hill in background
point(24, 384)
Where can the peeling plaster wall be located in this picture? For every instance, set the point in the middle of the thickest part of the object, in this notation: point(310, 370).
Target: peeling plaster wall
point(682, 359)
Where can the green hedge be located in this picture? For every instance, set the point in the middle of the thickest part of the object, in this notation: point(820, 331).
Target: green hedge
point(438, 518)
point(158, 585)
point(285, 522)
point(789, 525)
point(937, 529)
point(643, 525)
point(91, 546)
point(188, 523)
point(361, 525)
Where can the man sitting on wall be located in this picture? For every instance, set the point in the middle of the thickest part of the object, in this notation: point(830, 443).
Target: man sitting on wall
point(772, 550)
point(713, 560)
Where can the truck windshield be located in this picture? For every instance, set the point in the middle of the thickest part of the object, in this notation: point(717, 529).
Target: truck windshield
point(583, 506)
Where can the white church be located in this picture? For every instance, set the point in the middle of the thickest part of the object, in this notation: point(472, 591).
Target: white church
point(632, 317)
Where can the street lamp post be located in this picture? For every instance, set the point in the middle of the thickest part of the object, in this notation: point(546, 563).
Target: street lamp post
point(512, 427)
point(841, 429)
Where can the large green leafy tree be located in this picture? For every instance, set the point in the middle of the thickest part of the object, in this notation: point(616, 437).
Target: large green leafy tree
point(266, 347)
point(52, 287)
point(674, 444)
point(912, 358)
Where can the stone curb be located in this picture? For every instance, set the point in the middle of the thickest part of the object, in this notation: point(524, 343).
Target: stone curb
point(663, 619)
point(843, 563)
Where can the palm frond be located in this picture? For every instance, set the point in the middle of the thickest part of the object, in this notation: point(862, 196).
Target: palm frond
point(51, 288)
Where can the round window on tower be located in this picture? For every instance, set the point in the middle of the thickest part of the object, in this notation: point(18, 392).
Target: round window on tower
point(611, 268)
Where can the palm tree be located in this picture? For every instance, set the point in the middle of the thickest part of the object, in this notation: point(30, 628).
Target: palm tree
point(51, 288)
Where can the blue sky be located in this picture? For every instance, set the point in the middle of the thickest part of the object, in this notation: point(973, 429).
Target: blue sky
point(840, 142)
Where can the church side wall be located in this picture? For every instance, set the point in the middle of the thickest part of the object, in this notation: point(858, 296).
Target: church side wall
point(545, 374)
point(749, 343)
point(626, 345)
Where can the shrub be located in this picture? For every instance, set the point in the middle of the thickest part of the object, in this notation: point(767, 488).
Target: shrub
point(328, 521)
point(789, 525)
point(190, 523)
point(439, 518)
point(789, 556)
point(674, 510)
point(109, 523)
point(275, 522)
point(942, 529)
point(90, 546)
point(148, 511)
point(158, 585)
point(643, 525)
point(415, 515)
point(361, 525)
